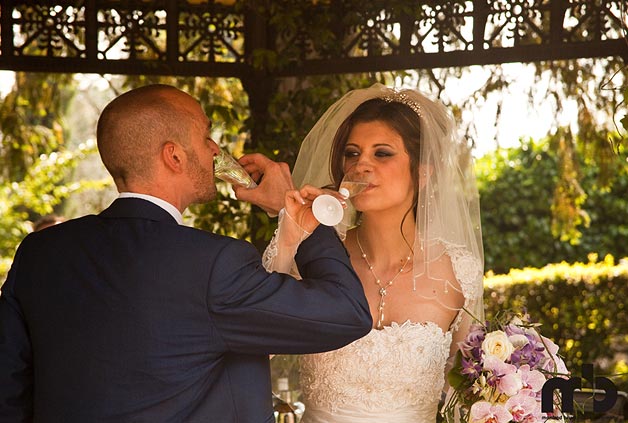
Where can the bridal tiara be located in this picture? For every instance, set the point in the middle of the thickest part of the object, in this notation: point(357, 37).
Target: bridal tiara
point(403, 98)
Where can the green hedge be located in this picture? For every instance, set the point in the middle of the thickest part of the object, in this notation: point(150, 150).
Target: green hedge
point(582, 307)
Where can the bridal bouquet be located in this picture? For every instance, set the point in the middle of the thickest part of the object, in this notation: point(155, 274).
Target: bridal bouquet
point(499, 372)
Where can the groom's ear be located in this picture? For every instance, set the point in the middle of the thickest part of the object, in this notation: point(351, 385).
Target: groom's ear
point(172, 155)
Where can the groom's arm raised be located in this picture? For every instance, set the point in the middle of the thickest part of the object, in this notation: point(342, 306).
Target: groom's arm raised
point(257, 312)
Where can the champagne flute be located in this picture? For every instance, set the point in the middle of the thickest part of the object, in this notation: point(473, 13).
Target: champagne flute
point(353, 183)
point(227, 169)
point(327, 209)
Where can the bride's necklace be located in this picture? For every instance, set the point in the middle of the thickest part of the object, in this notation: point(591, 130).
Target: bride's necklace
point(382, 288)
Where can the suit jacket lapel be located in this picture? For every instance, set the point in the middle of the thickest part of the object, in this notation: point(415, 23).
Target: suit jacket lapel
point(137, 208)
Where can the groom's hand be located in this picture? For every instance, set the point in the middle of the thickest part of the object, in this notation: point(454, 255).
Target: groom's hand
point(273, 179)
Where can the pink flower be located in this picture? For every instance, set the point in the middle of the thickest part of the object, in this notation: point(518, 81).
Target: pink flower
point(485, 412)
point(504, 369)
point(497, 366)
point(510, 384)
point(554, 364)
point(522, 407)
point(508, 380)
point(531, 379)
point(550, 345)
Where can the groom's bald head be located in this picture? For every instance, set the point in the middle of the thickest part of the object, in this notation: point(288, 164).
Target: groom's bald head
point(133, 127)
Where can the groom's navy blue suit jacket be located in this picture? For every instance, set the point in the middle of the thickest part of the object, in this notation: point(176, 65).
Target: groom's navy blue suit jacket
point(128, 317)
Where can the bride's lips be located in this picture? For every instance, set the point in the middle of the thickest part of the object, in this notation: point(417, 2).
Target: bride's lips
point(369, 187)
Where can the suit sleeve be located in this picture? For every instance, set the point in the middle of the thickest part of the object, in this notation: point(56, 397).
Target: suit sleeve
point(16, 375)
point(258, 312)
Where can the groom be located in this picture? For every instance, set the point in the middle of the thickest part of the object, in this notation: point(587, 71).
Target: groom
point(129, 316)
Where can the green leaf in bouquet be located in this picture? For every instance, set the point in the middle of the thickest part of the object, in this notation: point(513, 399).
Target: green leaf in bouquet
point(454, 377)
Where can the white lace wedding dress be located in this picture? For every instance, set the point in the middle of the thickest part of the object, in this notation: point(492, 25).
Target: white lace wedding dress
point(394, 375)
point(391, 375)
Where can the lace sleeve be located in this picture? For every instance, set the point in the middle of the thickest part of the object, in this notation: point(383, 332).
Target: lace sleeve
point(270, 254)
point(279, 254)
point(469, 273)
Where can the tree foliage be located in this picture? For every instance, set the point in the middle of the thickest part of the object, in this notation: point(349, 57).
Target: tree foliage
point(37, 163)
point(31, 120)
point(524, 223)
point(46, 185)
point(542, 202)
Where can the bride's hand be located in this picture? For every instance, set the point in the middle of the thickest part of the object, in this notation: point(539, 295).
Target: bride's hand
point(296, 223)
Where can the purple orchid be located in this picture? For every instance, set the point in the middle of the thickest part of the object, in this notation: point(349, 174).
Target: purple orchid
point(471, 368)
point(471, 347)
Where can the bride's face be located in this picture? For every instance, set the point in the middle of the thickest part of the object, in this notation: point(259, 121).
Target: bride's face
point(375, 148)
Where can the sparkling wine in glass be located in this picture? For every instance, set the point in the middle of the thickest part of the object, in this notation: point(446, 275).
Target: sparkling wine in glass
point(327, 209)
point(227, 169)
point(350, 187)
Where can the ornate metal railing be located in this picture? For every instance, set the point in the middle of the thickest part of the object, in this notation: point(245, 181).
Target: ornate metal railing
point(223, 38)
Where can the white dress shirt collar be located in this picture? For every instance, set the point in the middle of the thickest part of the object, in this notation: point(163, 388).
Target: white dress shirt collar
point(158, 201)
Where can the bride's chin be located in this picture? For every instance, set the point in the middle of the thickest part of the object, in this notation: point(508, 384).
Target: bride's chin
point(362, 206)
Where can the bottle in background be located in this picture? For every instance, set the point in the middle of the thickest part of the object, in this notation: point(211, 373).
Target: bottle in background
point(282, 403)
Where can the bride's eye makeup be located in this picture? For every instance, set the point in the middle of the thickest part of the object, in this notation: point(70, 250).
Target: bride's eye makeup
point(351, 152)
point(384, 153)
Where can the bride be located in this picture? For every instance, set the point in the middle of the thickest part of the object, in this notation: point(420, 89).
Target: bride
point(414, 239)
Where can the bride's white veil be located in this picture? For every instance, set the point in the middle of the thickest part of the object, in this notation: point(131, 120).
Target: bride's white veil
point(447, 213)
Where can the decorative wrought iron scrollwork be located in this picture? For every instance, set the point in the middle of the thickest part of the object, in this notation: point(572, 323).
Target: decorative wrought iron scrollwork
point(52, 31)
point(517, 22)
point(211, 33)
point(444, 26)
point(594, 20)
point(223, 37)
point(132, 30)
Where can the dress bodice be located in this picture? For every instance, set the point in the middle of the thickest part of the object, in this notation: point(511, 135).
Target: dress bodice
point(393, 374)
point(396, 374)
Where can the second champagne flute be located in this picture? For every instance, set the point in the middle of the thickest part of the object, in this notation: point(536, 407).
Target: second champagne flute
point(327, 209)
